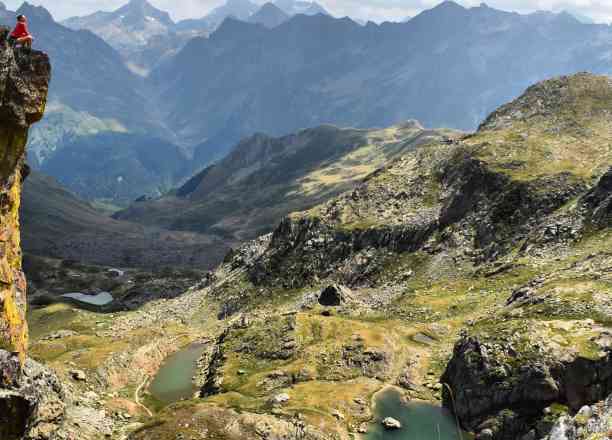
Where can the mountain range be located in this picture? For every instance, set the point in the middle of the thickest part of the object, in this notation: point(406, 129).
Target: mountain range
point(87, 94)
point(446, 67)
point(313, 70)
point(142, 33)
point(145, 35)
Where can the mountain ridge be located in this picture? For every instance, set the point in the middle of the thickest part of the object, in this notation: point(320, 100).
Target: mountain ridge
point(263, 176)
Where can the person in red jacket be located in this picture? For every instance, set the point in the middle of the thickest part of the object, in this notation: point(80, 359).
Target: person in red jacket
point(20, 34)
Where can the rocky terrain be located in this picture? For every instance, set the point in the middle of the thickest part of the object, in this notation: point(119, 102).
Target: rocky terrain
point(472, 271)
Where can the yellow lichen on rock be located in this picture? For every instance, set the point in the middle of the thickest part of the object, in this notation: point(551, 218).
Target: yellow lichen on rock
point(24, 86)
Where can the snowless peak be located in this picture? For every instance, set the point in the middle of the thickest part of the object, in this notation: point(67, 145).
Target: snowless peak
point(451, 5)
point(142, 9)
point(140, 4)
point(293, 7)
point(35, 13)
point(269, 15)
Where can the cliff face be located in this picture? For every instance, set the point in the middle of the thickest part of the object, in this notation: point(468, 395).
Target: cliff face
point(24, 82)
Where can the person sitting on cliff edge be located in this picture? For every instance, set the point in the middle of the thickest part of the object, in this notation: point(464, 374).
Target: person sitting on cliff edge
point(20, 34)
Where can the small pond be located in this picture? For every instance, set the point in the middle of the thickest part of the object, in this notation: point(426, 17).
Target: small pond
point(101, 299)
point(173, 381)
point(420, 421)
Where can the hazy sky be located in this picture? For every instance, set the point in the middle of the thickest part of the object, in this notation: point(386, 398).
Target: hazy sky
point(377, 10)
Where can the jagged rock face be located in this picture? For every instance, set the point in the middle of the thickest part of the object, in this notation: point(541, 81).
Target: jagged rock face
point(24, 83)
point(599, 202)
point(492, 211)
point(505, 390)
point(33, 407)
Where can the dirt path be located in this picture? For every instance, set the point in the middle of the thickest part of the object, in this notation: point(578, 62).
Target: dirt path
point(137, 396)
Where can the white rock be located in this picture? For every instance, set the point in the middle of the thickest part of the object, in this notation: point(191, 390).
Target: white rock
point(391, 423)
point(585, 412)
point(78, 375)
point(281, 398)
point(337, 414)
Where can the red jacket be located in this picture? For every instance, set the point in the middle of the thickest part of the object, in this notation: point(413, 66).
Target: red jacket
point(21, 30)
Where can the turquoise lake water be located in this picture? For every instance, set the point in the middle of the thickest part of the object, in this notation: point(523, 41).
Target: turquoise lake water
point(173, 381)
point(420, 421)
point(101, 299)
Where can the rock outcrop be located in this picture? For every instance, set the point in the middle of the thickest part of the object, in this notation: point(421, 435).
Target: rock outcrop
point(31, 397)
point(598, 202)
point(507, 391)
point(24, 83)
point(32, 407)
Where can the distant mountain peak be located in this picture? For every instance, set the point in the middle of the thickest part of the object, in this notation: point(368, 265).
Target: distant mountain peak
point(37, 13)
point(234, 3)
point(269, 15)
point(447, 11)
point(293, 7)
point(138, 5)
point(450, 5)
point(232, 27)
point(269, 6)
point(2, 7)
point(141, 9)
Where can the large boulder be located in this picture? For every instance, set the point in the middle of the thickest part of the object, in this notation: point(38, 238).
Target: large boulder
point(335, 295)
